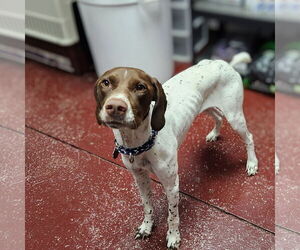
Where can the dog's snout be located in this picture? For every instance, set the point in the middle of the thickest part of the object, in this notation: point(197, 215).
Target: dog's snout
point(116, 107)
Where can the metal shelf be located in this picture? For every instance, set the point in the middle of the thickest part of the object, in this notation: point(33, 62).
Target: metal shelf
point(181, 33)
point(211, 8)
point(180, 5)
point(182, 58)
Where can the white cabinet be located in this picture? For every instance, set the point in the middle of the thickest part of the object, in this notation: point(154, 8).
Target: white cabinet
point(51, 21)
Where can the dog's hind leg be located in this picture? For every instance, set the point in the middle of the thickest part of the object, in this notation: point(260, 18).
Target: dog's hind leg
point(238, 123)
point(213, 135)
point(143, 182)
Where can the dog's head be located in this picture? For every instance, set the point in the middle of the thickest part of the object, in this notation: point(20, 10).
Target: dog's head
point(124, 96)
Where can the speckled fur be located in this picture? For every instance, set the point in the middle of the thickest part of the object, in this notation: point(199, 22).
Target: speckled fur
point(210, 86)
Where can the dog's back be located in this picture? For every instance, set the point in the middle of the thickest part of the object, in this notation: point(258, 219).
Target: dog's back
point(209, 84)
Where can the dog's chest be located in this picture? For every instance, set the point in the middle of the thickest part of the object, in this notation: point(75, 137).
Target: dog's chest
point(139, 162)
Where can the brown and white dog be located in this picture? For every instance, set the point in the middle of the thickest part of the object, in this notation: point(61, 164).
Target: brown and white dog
point(133, 104)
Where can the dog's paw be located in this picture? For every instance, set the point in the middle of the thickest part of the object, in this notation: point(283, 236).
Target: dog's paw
point(144, 230)
point(252, 167)
point(173, 240)
point(212, 136)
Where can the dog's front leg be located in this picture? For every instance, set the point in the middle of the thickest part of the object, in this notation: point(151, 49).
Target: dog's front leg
point(170, 181)
point(143, 183)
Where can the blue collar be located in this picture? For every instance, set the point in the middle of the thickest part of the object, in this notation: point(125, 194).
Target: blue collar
point(135, 151)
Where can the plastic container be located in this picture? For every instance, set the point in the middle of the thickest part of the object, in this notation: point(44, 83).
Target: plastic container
point(131, 33)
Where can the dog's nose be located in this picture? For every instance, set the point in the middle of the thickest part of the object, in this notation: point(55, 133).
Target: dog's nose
point(116, 107)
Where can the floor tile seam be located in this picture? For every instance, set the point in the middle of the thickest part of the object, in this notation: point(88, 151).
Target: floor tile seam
point(123, 168)
point(75, 147)
point(287, 229)
point(12, 130)
point(229, 213)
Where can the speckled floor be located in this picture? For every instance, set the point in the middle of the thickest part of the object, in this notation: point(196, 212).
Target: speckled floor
point(78, 197)
point(12, 138)
point(287, 181)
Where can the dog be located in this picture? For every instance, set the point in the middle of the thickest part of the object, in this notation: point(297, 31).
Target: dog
point(150, 120)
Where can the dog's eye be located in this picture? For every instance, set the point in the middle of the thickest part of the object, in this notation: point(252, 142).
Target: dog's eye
point(140, 86)
point(106, 83)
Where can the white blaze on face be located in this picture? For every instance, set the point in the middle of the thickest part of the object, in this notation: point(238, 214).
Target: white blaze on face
point(125, 73)
point(129, 116)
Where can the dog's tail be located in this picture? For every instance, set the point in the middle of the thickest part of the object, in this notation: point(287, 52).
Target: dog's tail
point(242, 57)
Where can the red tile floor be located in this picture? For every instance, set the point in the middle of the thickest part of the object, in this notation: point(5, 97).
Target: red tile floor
point(12, 174)
point(287, 181)
point(78, 197)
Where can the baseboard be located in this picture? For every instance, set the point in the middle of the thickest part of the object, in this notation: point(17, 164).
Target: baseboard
point(12, 49)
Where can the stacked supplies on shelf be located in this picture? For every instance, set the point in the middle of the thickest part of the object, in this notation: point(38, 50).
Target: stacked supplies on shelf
point(288, 69)
point(261, 75)
point(258, 75)
point(261, 6)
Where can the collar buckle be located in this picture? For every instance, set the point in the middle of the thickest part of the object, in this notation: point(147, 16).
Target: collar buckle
point(131, 158)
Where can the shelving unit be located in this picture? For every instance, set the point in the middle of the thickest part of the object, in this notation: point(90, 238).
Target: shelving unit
point(181, 30)
point(255, 15)
point(190, 31)
point(241, 12)
point(184, 43)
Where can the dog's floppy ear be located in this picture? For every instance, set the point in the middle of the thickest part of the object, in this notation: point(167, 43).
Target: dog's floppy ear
point(158, 114)
point(98, 97)
point(97, 115)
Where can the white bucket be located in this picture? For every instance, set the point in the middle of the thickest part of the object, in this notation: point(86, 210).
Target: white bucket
point(131, 33)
